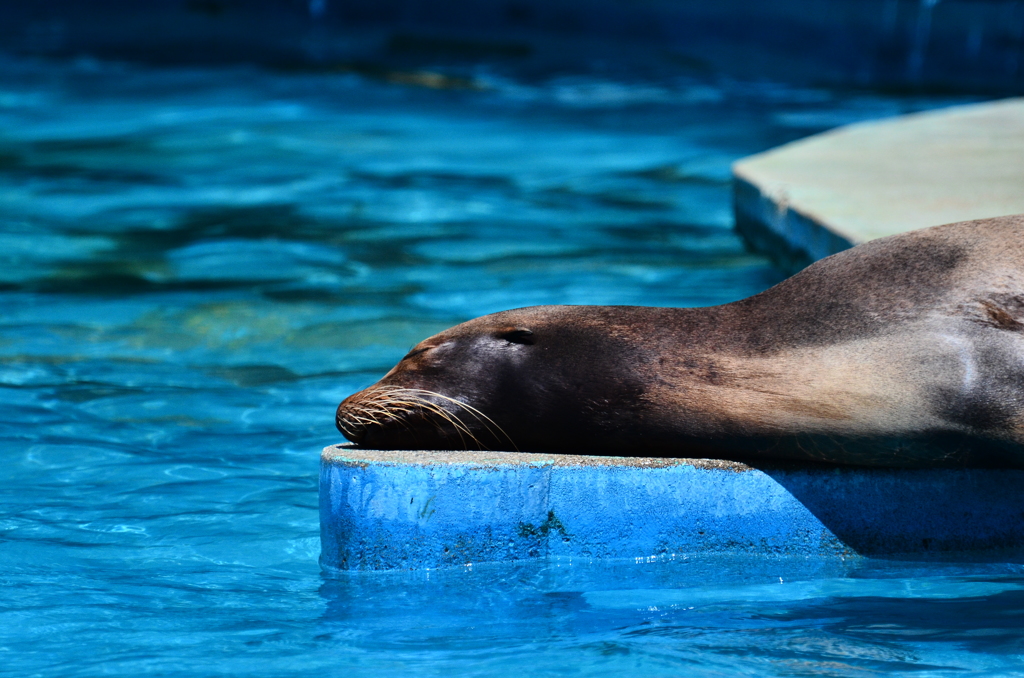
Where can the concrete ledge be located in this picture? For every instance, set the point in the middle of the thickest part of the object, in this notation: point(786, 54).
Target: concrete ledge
point(414, 510)
point(817, 196)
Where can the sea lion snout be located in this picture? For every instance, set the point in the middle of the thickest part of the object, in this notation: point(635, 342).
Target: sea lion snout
point(393, 417)
point(432, 398)
point(528, 379)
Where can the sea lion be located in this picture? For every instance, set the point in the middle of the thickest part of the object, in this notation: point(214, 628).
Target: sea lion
point(904, 351)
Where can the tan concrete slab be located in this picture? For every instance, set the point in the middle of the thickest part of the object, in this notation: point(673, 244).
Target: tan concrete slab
point(870, 180)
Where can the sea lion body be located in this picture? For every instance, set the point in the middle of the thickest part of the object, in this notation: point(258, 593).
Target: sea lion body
point(904, 351)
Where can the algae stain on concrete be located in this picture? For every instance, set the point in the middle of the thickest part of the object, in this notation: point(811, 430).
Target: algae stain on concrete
point(426, 512)
point(550, 524)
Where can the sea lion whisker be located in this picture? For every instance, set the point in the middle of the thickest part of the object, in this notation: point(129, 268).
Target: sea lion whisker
point(386, 399)
point(388, 402)
point(459, 424)
point(384, 393)
point(379, 410)
point(469, 408)
point(480, 416)
point(406, 406)
point(456, 423)
point(395, 409)
point(350, 427)
point(394, 417)
point(389, 397)
point(432, 409)
point(354, 420)
point(390, 416)
point(341, 424)
point(366, 420)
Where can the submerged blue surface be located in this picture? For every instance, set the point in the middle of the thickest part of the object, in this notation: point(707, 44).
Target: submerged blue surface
point(197, 265)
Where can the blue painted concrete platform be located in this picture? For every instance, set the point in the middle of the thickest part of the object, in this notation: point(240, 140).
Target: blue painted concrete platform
point(416, 510)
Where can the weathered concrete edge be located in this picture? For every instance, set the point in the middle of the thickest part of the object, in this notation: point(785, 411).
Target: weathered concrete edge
point(769, 224)
point(381, 511)
point(347, 453)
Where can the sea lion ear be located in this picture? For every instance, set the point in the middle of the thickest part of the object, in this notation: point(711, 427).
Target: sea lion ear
point(518, 335)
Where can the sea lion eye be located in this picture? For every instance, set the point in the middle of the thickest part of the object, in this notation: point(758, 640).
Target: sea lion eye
point(520, 335)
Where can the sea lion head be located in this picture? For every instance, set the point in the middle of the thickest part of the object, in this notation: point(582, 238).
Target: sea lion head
point(555, 377)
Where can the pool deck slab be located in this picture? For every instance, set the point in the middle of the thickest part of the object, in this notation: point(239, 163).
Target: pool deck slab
point(843, 187)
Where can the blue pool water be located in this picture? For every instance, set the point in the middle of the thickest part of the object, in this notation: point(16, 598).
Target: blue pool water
point(196, 266)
